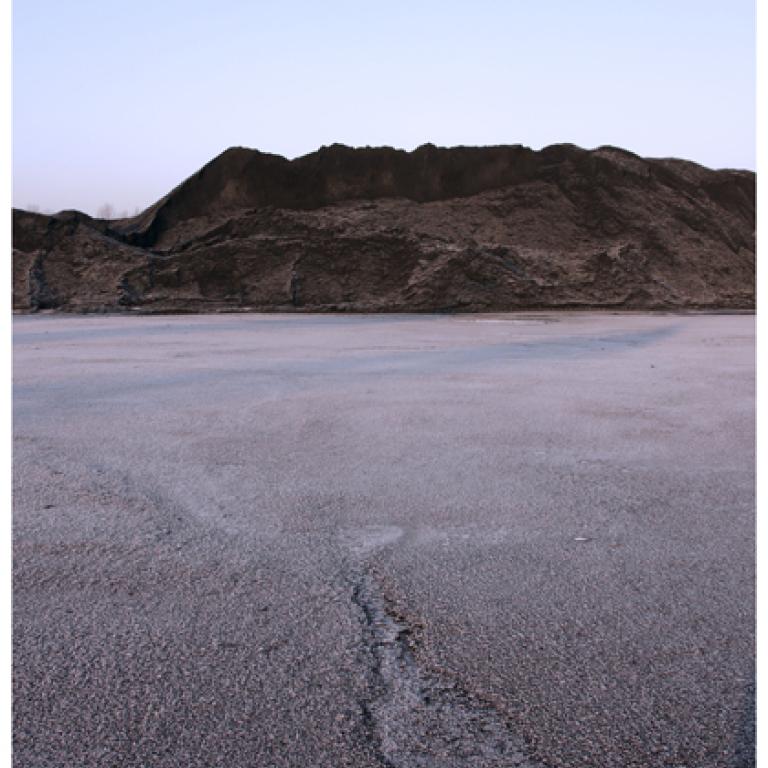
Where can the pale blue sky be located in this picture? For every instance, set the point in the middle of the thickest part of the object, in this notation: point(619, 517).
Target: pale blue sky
point(119, 101)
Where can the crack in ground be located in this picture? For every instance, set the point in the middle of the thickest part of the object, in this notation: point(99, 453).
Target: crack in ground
point(416, 719)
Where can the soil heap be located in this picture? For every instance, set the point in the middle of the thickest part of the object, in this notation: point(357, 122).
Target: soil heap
point(379, 229)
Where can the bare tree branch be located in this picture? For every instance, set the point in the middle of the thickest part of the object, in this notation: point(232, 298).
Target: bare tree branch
point(106, 211)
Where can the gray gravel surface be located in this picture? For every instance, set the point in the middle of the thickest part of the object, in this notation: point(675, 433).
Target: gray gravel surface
point(487, 540)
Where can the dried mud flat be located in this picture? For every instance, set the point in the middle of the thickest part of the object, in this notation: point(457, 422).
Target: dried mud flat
point(287, 540)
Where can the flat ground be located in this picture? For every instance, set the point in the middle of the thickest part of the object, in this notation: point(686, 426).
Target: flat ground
point(485, 540)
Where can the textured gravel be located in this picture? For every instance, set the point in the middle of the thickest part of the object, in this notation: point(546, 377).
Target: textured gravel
point(276, 540)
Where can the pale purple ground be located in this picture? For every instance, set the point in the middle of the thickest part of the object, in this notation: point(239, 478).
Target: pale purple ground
point(217, 516)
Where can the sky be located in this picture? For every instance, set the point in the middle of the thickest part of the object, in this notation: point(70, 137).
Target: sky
point(117, 102)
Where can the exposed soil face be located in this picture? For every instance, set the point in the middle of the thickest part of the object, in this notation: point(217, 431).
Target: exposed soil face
point(466, 228)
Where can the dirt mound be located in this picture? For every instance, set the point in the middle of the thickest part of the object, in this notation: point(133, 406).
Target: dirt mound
point(380, 229)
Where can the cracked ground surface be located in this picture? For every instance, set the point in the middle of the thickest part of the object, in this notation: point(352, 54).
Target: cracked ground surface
point(384, 541)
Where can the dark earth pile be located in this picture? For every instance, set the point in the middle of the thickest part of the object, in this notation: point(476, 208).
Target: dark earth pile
point(379, 229)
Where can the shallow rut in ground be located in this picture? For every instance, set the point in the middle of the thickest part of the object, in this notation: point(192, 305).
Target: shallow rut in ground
point(415, 718)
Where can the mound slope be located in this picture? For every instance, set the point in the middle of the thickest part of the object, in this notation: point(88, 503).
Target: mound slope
point(379, 229)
